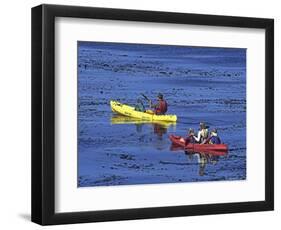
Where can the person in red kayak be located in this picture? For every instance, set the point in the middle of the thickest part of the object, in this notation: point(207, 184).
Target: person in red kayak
point(161, 107)
point(203, 133)
point(190, 137)
point(214, 138)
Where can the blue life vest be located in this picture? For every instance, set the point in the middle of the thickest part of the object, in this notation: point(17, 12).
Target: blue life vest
point(215, 140)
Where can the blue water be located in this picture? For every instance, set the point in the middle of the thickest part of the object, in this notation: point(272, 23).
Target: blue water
point(199, 84)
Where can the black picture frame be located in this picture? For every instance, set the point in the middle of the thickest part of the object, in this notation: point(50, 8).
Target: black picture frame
point(43, 114)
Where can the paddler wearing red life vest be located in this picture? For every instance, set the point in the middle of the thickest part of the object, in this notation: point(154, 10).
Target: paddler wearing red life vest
point(161, 107)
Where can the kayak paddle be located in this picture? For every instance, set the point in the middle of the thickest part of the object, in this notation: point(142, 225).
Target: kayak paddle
point(145, 97)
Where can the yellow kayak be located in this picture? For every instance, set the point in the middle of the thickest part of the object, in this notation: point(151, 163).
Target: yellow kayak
point(130, 111)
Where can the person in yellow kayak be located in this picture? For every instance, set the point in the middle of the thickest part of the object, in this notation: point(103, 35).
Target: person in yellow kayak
point(139, 106)
point(161, 107)
point(203, 134)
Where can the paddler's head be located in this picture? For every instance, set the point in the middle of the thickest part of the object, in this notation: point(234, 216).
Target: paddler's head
point(191, 131)
point(214, 132)
point(202, 125)
point(160, 96)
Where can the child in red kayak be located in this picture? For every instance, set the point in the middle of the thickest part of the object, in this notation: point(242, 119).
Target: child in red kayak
point(190, 137)
point(214, 138)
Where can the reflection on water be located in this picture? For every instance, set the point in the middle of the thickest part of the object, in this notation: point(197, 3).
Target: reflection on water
point(203, 158)
point(159, 127)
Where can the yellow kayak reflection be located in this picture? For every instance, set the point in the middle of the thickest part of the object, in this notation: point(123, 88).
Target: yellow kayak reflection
point(119, 119)
point(159, 127)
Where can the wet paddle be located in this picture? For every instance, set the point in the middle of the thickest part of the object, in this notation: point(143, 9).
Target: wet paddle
point(145, 97)
point(150, 103)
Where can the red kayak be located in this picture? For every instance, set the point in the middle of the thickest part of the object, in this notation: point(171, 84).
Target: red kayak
point(220, 149)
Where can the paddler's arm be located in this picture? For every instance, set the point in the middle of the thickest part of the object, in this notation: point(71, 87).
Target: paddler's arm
point(197, 139)
point(150, 103)
point(142, 107)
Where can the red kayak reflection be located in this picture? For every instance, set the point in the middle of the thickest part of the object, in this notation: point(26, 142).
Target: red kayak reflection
point(159, 127)
point(203, 157)
point(175, 147)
